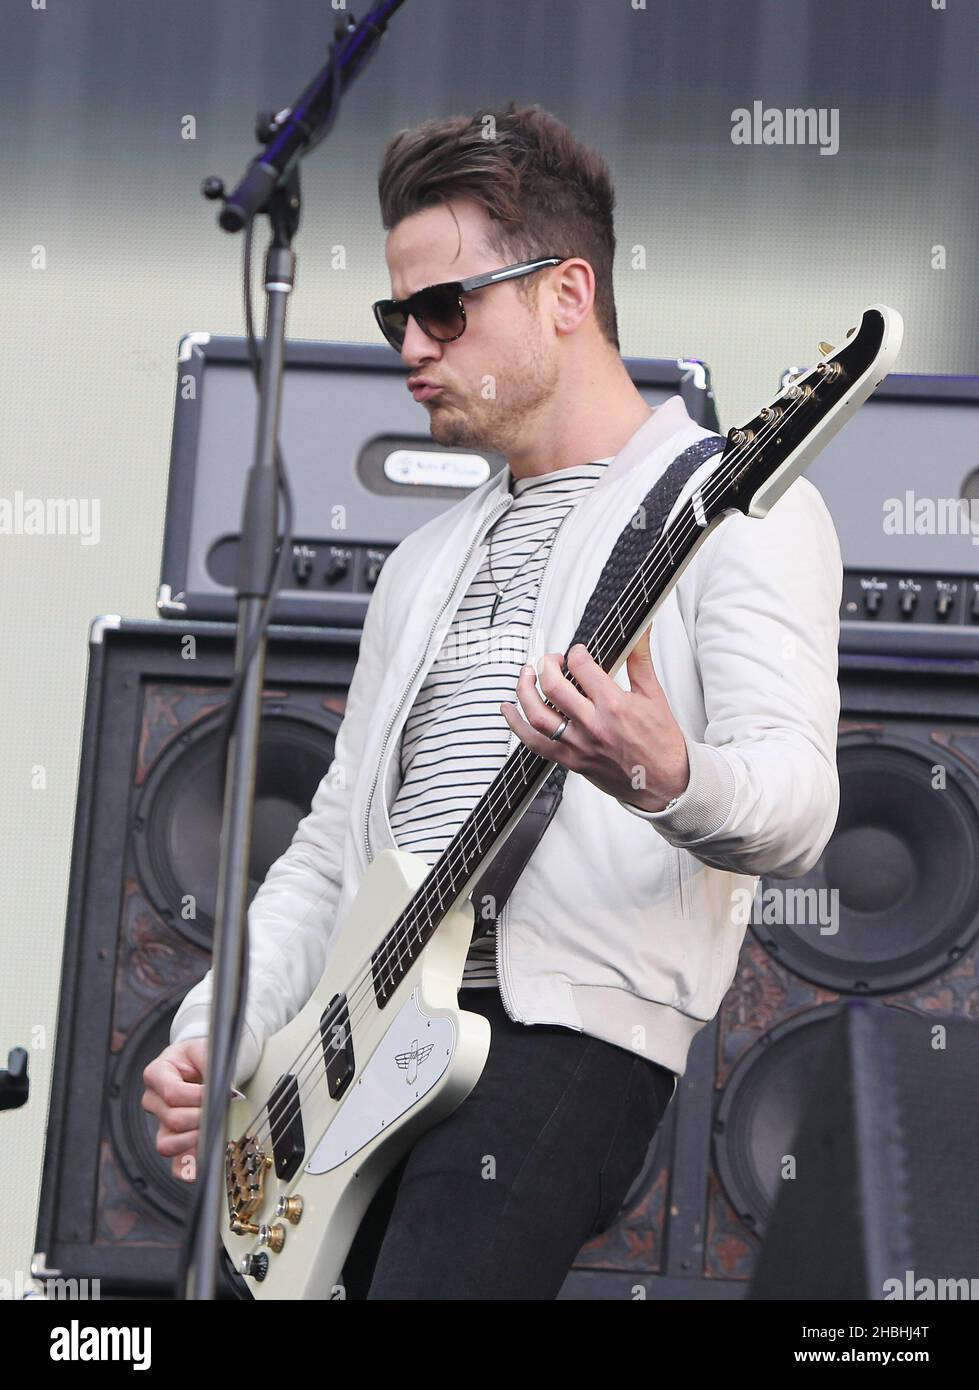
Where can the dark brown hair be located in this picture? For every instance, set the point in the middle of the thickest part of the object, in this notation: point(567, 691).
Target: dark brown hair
point(545, 192)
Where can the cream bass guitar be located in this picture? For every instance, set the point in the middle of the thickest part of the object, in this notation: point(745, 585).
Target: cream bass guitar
point(381, 1051)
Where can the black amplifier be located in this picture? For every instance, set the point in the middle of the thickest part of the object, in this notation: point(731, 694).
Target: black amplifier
point(902, 484)
point(361, 465)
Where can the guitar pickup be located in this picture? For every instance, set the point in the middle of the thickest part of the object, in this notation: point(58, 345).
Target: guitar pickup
point(286, 1126)
point(338, 1045)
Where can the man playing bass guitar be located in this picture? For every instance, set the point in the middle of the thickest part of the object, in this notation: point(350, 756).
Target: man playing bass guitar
point(709, 758)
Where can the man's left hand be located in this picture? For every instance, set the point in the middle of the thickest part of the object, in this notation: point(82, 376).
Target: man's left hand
point(624, 741)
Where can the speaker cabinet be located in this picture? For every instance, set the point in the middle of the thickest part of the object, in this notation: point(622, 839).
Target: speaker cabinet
point(889, 914)
point(141, 910)
point(880, 1190)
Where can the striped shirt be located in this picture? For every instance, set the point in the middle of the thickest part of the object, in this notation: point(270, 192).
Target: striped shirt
point(455, 738)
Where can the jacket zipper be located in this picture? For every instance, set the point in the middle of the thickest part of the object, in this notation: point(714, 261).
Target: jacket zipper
point(499, 961)
point(421, 660)
point(681, 883)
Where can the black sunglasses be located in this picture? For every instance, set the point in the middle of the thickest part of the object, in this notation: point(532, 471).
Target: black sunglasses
point(438, 309)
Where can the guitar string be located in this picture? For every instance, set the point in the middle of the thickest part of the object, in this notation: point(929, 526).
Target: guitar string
point(364, 985)
point(363, 982)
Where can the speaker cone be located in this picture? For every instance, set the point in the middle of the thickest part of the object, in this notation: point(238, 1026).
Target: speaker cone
point(177, 826)
point(893, 899)
point(760, 1111)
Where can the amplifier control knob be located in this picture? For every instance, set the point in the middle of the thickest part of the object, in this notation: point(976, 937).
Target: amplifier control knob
point(336, 566)
point(372, 569)
point(302, 562)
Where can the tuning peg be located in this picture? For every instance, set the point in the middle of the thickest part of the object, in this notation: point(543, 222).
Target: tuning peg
point(825, 349)
point(850, 332)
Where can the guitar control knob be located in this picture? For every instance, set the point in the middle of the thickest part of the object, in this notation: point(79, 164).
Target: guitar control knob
point(291, 1208)
point(255, 1267)
point(272, 1236)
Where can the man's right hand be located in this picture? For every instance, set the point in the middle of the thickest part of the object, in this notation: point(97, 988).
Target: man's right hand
point(174, 1090)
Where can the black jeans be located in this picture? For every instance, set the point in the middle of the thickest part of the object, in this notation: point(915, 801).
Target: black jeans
point(496, 1200)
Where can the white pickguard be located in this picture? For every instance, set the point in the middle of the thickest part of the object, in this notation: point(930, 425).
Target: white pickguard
point(406, 1064)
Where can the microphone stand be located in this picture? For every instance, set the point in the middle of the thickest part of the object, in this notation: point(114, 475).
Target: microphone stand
point(269, 185)
point(258, 534)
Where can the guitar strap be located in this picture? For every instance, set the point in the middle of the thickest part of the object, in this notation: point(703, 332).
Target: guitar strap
point(494, 887)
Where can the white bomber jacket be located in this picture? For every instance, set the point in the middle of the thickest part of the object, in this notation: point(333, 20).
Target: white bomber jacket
point(625, 924)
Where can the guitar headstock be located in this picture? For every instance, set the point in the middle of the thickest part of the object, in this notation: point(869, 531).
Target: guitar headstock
point(768, 453)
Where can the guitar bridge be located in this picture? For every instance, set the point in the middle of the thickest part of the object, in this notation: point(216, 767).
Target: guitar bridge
point(245, 1163)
